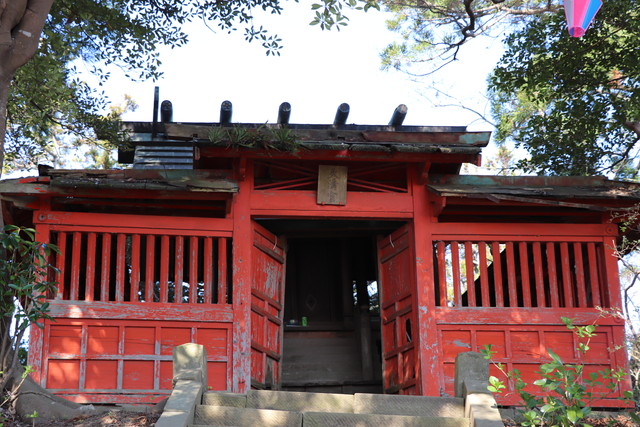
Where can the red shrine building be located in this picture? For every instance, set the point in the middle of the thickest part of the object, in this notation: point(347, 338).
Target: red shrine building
point(339, 258)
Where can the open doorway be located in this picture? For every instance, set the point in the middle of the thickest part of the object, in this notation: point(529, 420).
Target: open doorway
point(332, 340)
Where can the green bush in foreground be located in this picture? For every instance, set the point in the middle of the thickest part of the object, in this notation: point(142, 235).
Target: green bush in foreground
point(566, 396)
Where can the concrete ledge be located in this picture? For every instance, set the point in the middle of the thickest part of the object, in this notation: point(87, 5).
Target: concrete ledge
point(324, 419)
point(180, 408)
point(223, 398)
point(482, 410)
point(297, 401)
point(424, 406)
point(175, 419)
point(228, 416)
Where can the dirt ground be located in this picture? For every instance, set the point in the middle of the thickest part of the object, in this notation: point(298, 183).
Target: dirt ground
point(116, 418)
point(121, 418)
point(619, 421)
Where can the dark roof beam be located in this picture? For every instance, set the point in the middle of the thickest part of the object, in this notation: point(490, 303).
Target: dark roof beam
point(284, 113)
point(399, 115)
point(226, 110)
point(341, 115)
point(156, 102)
point(166, 111)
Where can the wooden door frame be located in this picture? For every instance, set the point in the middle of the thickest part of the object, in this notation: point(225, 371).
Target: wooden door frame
point(412, 206)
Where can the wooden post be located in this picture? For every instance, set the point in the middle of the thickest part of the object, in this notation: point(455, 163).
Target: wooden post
point(347, 283)
point(430, 369)
point(36, 339)
point(242, 244)
point(611, 273)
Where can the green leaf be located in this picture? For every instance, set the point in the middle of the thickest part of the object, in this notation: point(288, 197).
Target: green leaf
point(554, 356)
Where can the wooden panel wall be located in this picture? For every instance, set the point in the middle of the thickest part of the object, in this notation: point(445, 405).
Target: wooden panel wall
point(525, 347)
point(509, 285)
point(127, 361)
point(130, 288)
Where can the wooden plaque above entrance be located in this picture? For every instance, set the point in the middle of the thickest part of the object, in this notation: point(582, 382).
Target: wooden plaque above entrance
point(332, 185)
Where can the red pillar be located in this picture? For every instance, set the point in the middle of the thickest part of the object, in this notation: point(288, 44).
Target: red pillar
point(430, 374)
point(242, 243)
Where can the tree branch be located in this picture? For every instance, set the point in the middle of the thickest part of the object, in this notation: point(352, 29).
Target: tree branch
point(9, 18)
point(25, 34)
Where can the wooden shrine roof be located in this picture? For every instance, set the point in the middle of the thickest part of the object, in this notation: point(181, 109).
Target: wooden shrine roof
point(77, 182)
point(580, 192)
point(355, 138)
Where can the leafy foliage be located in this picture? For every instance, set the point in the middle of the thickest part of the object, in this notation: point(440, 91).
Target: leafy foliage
point(565, 389)
point(433, 31)
point(47, 95)
point(23, 286)
point(573, 104)
point(276, 138)
point(328, 13)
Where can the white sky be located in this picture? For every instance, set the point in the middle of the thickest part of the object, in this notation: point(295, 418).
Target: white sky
point(317, 71)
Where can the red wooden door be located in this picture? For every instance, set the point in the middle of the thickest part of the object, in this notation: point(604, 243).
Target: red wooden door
point(267, 308)
point(396, 273)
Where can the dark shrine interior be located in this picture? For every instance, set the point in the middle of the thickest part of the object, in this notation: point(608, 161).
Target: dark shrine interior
point(332, 337)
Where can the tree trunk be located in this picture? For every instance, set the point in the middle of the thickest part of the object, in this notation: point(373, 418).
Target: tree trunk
point(21, 25)
point(4, 97)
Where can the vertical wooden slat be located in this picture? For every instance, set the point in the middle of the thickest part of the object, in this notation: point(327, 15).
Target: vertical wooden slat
point(537, 267)
point(471, 286)
point(207, 269)
point(580, 282)
point(455, 271)
point(76, 251)
point(611, 275)
point(567, 283)
point(156, 364)
point(164, 268)
point(121, 258)
point(497, 273)
point(594, 275)
point(442, 273)
point(553, 275)
point(484, 274)
point(84, 341)
point(193, 270)
point(524, 274)
point(222, 271)
point(105, 275)
point(91, 267)
point(179, 296)
point(121, 350)
point(511, 276)
point(135, 268)
point(61, 260)
point(149, 275)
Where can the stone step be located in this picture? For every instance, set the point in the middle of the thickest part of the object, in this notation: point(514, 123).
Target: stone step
point(323, 419)
point(245, 417)
point(223, 398)
point(393, 404)
point(298, 401)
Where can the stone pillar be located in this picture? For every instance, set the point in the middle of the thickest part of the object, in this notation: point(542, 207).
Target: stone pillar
point(471, 381)
point(472, 370)
point(190, 363)
point(189, 382)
